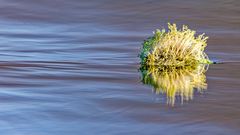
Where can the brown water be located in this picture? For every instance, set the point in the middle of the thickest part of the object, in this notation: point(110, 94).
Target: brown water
point(70, 67)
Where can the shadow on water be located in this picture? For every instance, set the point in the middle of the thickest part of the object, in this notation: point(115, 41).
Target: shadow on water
point(175, 82)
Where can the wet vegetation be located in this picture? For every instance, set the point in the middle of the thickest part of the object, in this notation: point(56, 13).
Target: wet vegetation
point(173, 61)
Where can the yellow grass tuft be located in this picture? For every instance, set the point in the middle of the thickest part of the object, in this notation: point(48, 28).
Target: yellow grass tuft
point(173, 61)
point(174, 48)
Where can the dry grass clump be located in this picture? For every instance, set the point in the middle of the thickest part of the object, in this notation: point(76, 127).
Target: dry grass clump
point(174, 62)
point(175, 82)
point(174, 48)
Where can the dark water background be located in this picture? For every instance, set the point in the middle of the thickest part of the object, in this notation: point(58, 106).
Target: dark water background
point(70, 67)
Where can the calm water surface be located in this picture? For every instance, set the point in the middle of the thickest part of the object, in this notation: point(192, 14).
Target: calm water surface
point(70, 67)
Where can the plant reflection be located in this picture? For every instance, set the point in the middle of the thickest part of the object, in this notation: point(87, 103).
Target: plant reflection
point(175, 81)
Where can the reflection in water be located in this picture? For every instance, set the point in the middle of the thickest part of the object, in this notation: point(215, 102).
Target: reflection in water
point(175, 82)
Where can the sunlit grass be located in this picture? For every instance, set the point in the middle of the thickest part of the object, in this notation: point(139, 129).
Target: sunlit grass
point(174, 47)
point(173, 61)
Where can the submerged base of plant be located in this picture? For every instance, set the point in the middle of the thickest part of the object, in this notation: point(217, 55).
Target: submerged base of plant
point(174, 48)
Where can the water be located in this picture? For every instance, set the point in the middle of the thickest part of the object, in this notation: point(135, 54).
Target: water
point(70, 67)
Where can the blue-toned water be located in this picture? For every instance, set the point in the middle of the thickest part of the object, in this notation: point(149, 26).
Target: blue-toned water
point(70, 67)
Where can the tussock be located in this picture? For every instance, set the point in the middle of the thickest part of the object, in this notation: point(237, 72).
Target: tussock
point(174, 48)
point(173, 61)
